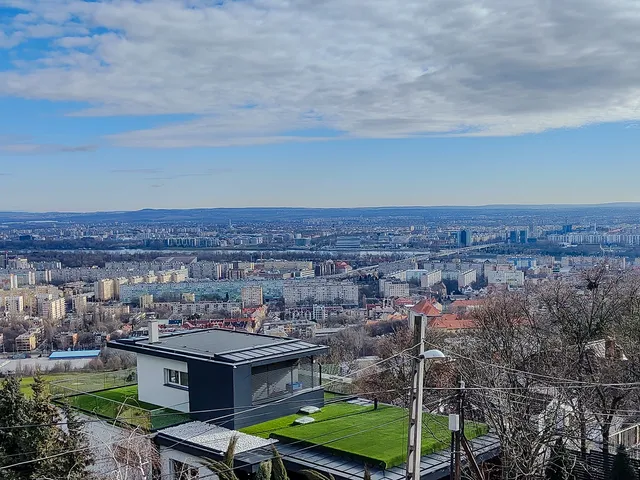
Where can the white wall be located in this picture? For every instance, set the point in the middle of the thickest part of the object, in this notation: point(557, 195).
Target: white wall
point(151, 387)
point(168, 454)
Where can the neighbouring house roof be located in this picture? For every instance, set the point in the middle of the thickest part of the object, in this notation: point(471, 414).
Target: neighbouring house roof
point(426, 307)
point(213, 437)
point(452, 321)
point(467, 303)
point(221, 346)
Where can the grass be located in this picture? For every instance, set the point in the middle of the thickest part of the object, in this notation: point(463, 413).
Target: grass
point(80, 381)
point(377, 437)
point(122, 403)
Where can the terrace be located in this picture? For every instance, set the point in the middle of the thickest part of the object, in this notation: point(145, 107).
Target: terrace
point(114, 396)
point(357, 430)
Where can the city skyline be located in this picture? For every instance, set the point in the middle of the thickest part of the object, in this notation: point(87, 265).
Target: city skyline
point(130, 105)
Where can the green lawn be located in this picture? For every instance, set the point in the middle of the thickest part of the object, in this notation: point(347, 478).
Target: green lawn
point(122, 403)
point(378, 437)
point(26, 382)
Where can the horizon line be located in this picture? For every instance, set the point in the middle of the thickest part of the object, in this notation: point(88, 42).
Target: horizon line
point(380, 207)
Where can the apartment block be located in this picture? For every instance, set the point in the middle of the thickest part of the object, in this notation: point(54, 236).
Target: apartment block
point(431, 278)
point(104, 290)
point(466, 278)
point(251, 296)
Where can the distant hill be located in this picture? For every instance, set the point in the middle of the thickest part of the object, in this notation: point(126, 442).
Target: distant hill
point(268, 214)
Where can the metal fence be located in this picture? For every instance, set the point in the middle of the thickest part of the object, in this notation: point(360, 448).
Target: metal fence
point(92, 382)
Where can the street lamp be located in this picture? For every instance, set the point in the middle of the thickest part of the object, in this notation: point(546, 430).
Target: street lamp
point(431, 354)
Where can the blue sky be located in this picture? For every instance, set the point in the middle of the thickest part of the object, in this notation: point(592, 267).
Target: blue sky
point(170, 104)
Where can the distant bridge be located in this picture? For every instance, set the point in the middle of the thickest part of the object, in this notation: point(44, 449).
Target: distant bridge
point(418, 258)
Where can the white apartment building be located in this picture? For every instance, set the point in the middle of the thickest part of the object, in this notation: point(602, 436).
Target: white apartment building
point(206, 269)
point(117, 283)
point(393, 288)
point(146, 301)
point(199, 307)
point(251, 296)
point(14, 304)
point(505, 277)
point(430, 278)
point(104, 290)
point(466, 278)
point(8, 281)
point(300, 292)
point(52, 309)
point(79, 304)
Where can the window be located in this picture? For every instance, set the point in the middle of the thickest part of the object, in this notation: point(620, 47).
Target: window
point(176, 378)
point(184, 471)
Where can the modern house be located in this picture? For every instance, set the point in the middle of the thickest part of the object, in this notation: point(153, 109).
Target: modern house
point(232, 379)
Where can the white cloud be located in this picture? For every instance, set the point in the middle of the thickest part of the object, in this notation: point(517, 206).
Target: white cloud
point(41, 149)
point(368, 68)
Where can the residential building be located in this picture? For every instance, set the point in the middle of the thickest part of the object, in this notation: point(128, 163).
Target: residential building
point(466, 278)
point(52, 308)
point(431, 278)
point(300, 292)
point(506, 277)
point(146, 301)
point(79, 304)
point(188, 298)
point(25, 277)
point(8, 281)
point(28, 341)
point(251, 296)
point(251, 371)
point(391, 288)
point(465, 238)
point(14, 304)
point(104, 290)
point(117, 283)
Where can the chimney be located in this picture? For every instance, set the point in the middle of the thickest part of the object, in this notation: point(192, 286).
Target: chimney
point(154, 336)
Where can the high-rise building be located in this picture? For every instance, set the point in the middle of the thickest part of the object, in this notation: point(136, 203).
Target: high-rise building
point(14, 304)
point(465, 238)
point(466, 278)
point(430, 278)
point(79, 304)
point(104, 290)
point(146, 301)
point(8, 281)
point(251, 296)
point(523, 236)
point(51, 308)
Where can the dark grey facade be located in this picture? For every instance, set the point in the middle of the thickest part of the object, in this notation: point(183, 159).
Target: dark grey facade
point(238, 379)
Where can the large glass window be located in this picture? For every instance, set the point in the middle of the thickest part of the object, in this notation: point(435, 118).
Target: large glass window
point(176, 377)
point(280, 379)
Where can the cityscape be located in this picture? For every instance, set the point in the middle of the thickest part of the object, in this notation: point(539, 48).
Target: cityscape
point(319, 240)
point(135, 301)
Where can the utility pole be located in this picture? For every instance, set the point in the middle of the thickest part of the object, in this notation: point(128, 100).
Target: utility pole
point(414, 446)
point(459, 441)
point(460, 432)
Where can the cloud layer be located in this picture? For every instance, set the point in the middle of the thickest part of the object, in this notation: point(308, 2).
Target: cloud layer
point(265, 71)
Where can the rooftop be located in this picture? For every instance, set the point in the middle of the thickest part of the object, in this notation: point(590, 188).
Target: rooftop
point(220, 345)
point(214, 437)
point(357, 430)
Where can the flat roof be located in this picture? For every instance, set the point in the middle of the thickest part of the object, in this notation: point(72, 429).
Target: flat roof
point(62, 355)
point(214, 437)
point(221, 345)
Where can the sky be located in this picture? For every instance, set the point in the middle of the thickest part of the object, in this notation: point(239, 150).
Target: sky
point(130, 104)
